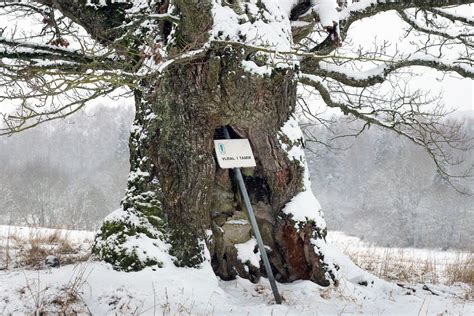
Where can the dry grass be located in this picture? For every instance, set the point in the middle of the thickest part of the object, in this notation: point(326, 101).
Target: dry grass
point(33, 254)
point(71, 292)
point(462, 270)
point(397, 266)
point(31, 250)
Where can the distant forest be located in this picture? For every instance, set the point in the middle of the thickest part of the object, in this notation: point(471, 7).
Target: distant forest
point(69, 173)
point(377, 186)
point(384, 189)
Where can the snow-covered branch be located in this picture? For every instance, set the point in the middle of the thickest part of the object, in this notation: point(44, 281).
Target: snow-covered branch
point(453, 17)
point(448, 33)
point(368, 8)
point(379, 74)
point(28, 51)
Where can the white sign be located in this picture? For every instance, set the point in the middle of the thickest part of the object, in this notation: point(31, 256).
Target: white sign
point(234, 153)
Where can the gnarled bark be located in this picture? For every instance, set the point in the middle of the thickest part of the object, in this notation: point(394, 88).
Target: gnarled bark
point(197, 202)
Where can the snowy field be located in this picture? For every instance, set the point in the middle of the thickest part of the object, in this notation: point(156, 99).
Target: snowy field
point(406, 264)
point(88, 287)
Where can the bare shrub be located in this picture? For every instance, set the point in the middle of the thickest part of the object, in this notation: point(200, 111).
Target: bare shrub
point(35, 292)
point(52, 238)
point(5, 252)
point(64, 246)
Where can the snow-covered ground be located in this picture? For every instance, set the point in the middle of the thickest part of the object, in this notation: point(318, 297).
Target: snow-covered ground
point(93, 287)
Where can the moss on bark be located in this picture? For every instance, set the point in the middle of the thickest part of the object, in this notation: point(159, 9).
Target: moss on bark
point(179, 200)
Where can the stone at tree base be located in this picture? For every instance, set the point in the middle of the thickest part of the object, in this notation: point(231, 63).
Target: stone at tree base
point(236, 231)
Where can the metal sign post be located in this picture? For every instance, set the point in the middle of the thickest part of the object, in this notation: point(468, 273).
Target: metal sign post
point(256, 231)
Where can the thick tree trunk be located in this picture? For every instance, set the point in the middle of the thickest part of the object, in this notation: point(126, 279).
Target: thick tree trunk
point(179, 203)
point(180, 196)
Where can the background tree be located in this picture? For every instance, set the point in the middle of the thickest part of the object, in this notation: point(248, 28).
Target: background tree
point(194, 66)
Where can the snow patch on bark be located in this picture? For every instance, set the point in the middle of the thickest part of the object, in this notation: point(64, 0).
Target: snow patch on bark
point(327, 12)
point(304, 206)
point(256, 22)
point(293, 144)
point(245, 252)
point(331, 258)
point(253, 68)
point(292, 141)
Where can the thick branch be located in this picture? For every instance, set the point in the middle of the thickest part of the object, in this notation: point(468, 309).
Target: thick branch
point(370, 8)
point(453, 17)
point(30, 51)
point(101, 23)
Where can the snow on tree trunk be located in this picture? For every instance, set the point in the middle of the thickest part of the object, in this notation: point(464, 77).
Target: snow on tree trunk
point(180, 207)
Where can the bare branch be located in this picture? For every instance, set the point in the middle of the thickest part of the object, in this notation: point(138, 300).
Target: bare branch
point(429, 130)
point(379, 74)
point(462, 37)
point(28, 117)
point(453, 17)
point(364, 9)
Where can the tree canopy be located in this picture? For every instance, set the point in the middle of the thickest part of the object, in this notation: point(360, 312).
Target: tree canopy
point(80, 50)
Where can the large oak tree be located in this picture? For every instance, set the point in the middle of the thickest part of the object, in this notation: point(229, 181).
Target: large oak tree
point(195, 66)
